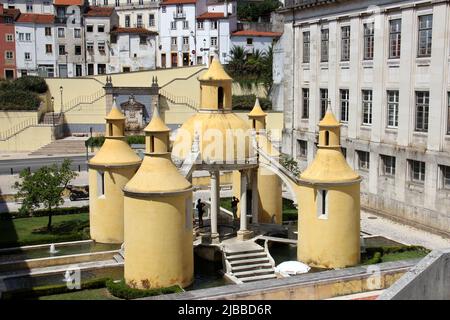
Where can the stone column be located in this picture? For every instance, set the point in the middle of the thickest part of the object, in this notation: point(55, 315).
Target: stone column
point(243, 233)
point(215, 196)
point(255, 196)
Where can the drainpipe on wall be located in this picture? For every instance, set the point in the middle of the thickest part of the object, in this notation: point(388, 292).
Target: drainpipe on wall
point(293, 82)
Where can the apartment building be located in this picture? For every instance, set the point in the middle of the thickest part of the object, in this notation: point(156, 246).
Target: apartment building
point(252, 40)
point(29, 6)
point(35, 45)
point(384, 69)
point(99, 21)
point(70, 37)
point(7, 42)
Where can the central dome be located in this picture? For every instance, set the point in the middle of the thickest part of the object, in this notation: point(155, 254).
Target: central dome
point(223, 137)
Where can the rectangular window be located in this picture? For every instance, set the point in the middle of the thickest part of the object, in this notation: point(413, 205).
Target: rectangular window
point(302, 148)
point(249, 41)
point(306, 46)
point(445, 177)
point(163, 9)
point(127, 21)
point(117, 3)
point(105, 2)
point(28, 36)
point(363, 160)
point(345, 101)
point(214, 25)
point(186, 40)
point(179, 8)
point(213, 41)
point(62, 50)
point(29, 7)
point(101, 28)
point(27, 56)
point(323, 102)
point(61, 32)
point(200, 25)
point(173, 25)
point(388, 165)
point(9, 38)
point(425, 35)
point(101, 47)
point(142, 40)
point(345, 43)
point(77, 50)
point(185, 25)
point(324, 42)
point(48, 31)
point(139, 21)
point(395, 38)
point(100, 183)
point(367, 107)
point(392, 109)
point(77, 33)
point(173, 41)
point(305, 110)
point(369, 32)
point(422, 109)
point(9, 55)
point(344, 152)
point(48, 48)
point(151, 20)
point(21, 36)
point(322, 204)
point(90, 47)
point(417, 171)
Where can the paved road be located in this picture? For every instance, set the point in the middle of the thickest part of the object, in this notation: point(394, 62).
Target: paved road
point(34, 163)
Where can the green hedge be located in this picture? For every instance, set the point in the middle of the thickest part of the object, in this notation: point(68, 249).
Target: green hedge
point(42, 213)
point(123, 291)
point(52, 289)
point(246, 102)
point(31, 83)
point(98, 141)
point(18, 99)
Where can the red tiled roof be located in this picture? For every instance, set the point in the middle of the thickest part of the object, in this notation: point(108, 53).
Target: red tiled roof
point(166, 2)
point(254, 33)
point(68, 2)
point(99, 12)
point(211, 15)
point(133, 30)
point(36, 18)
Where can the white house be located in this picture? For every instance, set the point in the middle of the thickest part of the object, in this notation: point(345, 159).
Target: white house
point(252, 40)
point(99, 21)
point(35, 45)
point(29, 6)
point(132, 49)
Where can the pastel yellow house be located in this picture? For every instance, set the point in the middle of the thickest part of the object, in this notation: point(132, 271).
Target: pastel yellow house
point(329, 204)
point(158, 217)
point(109, 170)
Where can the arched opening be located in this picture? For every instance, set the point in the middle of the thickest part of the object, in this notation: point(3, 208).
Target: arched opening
point(110, 129)
point(327, 138)
point(254, 124)
point(220, 98)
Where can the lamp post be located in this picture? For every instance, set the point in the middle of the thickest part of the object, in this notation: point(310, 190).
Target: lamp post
point(61, 91)
point(53, 110)
point(204, 47)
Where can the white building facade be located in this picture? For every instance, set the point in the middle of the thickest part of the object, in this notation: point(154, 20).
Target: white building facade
point(30, 6)
point(252, 40)
point(35, 45)
point(132, 49)
point(385, 71)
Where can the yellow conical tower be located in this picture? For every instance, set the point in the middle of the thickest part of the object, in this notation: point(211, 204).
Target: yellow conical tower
point(329, 206)
point(257, 117)
point(158, 217)
point(109, 170)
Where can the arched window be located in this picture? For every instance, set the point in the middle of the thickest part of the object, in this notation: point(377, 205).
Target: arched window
point(327, 138)
point(220, 98)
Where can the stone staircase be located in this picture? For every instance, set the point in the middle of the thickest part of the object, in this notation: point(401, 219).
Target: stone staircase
point(62, 146)
point(52, 118)
point(119, 258)
point(248, 262)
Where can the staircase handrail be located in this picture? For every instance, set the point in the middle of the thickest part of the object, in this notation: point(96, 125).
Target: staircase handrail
point(180, 99)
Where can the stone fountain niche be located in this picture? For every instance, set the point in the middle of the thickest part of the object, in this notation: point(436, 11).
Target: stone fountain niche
point(134, 114)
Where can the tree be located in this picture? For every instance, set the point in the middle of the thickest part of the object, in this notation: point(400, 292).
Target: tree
point(44, 187)
point(267, 72)
point(237, 60)
point(290, 164)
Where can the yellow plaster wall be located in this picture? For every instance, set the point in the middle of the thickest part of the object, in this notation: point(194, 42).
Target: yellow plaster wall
point(106, 212)
point(30, 139)
point(158, 241)
point(333, 242)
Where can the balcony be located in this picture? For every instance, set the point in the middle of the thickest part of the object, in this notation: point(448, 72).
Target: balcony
point(179, 15)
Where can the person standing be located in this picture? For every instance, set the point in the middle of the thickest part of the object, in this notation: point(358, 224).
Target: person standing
point(200, 212)
point(234, 204)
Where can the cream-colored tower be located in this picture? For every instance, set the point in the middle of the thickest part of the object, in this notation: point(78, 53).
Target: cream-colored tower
point(109, 170)
point(158, 217)
point(329, 204)
point(269, 184)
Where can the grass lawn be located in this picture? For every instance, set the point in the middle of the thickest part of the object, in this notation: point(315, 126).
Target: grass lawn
point(88, 294)
point(392, 253)
point(25, 231)
point(405, 255)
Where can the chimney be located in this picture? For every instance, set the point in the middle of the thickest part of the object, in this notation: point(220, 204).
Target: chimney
point(225, 9)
